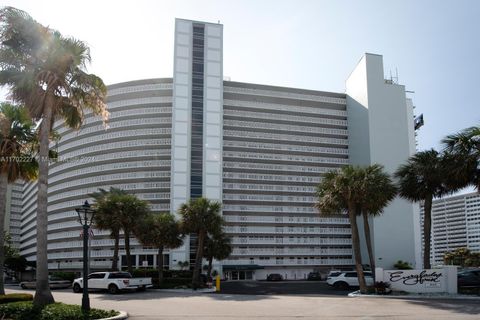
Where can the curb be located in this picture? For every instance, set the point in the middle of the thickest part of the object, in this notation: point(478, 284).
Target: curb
point(123, 315)
point(357, 294)
point(187, 290)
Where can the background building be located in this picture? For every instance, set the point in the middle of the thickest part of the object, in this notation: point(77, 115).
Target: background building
point(455, 224)
point(258, 149)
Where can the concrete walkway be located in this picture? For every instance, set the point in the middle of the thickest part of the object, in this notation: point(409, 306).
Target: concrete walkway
point(158, 305)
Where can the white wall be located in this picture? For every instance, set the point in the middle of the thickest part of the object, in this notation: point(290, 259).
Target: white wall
point(213, 113)
point(380, 131)
point(181, 127)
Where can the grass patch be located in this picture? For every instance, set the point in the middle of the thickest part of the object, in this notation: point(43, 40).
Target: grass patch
point(56, 311)
point(14, 297)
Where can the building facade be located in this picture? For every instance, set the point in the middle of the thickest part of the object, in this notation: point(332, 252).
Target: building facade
point(258, 149)
point(455, 224)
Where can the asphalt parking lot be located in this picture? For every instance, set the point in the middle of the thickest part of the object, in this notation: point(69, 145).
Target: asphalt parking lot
point(319, 288)
point(168, 305)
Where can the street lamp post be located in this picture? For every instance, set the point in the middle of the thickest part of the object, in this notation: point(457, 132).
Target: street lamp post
point(85, 215)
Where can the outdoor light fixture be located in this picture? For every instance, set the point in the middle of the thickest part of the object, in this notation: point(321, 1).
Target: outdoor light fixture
point(85, 216)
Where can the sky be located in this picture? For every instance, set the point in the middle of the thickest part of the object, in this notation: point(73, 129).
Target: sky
point(434, 45)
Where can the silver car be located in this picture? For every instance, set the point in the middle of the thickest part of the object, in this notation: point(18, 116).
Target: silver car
point(55, 283)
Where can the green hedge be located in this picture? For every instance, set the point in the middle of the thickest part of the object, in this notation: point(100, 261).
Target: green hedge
point(153, 273)
point(70, 276)
point(171, 283)
point(56, 311)
point(14, 297)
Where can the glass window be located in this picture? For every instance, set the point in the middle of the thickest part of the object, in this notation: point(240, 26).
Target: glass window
point(119, 275)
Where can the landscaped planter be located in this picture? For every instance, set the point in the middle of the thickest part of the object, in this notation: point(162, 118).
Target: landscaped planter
point(58, 311)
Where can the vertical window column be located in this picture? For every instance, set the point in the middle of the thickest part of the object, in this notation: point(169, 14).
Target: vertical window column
point(196, 165)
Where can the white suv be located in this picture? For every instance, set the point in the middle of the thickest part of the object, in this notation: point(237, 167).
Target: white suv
point(346, 279)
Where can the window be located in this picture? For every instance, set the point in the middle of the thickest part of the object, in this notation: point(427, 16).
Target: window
point(96, 275)
point(119, 275)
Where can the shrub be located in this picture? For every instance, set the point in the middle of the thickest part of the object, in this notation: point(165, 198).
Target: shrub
point(153, 273)
point(19, 311)
point(382, 287)
point(70, 276)
point(60, 311)
point(14, 297)
point(171, 283)
point(402, 265)
point(56, 311)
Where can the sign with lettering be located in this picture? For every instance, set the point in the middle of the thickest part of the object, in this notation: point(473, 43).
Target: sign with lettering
point(420, 281)
point(411, 279)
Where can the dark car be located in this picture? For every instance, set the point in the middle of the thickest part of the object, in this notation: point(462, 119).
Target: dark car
point(274, 277)
point(314, 276)
point(469, 278)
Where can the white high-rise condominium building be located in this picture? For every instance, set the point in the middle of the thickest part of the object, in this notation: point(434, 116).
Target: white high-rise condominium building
point(455, 224)
point(258, 149)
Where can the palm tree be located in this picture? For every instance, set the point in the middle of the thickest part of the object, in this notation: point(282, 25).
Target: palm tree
point(218, 247)
point(125, 211)
point(376, 192)
point(464, 150)
point(340, 191)
point(200, 216)
point(131, 211)
point(106, 218)
point(160, 231)
point(45, 71)
point(17, 138)
point(423, 178)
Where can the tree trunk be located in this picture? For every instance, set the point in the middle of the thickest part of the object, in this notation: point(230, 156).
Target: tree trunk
point(3, 207)
point(368, 239)
point(160, 265)
point(43, 295)
point(127, 251)
point(116, 237)
point(198, 260)
point(209, 270)
point(427, 228)
point(356, 247)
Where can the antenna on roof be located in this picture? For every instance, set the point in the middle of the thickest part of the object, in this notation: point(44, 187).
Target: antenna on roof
point(394, 79)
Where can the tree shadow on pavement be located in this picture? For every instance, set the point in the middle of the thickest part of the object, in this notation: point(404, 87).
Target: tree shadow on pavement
point(454, 305)
point(155, 294)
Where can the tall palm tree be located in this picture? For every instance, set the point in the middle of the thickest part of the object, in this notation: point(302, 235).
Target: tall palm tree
point(377, 190)
point(160, 231)
point(217, 246)
point(340, 191)
point(125, 211)
point(131, 211)
point(464, 150)
point(17, 138)
point(423, 178)
point(200, 216)
point(106, 218)
point(45, 71)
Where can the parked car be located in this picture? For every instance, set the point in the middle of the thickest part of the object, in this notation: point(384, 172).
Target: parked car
point(314, 276)
point(112, 281)
point(469, 278)
point(55, 283)
point(274, 277)
point(347, 279)
point(334, 273)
